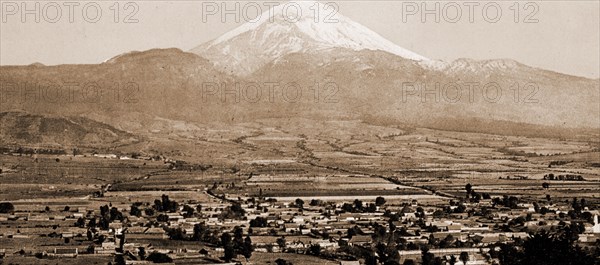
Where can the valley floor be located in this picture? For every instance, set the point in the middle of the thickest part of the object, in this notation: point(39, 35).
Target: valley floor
point(305, 194)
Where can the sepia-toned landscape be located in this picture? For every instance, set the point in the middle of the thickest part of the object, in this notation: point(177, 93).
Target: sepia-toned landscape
point(298, 143)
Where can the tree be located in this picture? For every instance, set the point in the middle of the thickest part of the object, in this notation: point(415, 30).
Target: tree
point(315, 202)
point(149, 212)
point(352, 231)
point(228, 247)
point(80, 222)
point(92, 223)
point(135, 211)
point(90, 249)
point(235, 211)
point(545, 185)
point(158, 205)
point(281, 243)
point(162, 218)
point(536, 207)
point(588, 217)
point(464, 257)
point(546, 248)
point(142, 253)
point(300, 203)
point(238, 237)
point(119, 259)
point(370, 259)
point(371, 208)
point(259, 221)
point(461, 208)
point(409, 262)
point(475, 196)
point(247, 248)
point(158, 257)
point(447, 241)
point(176, 233)
point(576, 205)
point(426, 256)
point(282, 262)
point(229, 253)
point(358, 205)
point(188, 211)
point(469, 189)
point(379, 201)
point(346, 207)
point(452, 260)
point(200, 231)
point(115, 214)
point(315, 249)
point(225, 239)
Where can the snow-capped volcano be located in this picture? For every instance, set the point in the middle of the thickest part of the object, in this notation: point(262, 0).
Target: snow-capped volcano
point(302, 26)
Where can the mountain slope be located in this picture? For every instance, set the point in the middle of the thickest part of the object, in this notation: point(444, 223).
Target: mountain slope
point(381, 84)
point(169, 84)
point(164, 82)
point(24, 129)
point(338, 71)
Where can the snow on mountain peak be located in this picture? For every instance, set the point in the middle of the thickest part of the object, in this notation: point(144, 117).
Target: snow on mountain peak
point(289, 12)
point(463, 65)
point(297, 26)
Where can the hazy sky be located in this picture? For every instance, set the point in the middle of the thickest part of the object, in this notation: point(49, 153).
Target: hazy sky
point(564, 36)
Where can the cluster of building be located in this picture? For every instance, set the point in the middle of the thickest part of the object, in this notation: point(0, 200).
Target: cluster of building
point(282, 227)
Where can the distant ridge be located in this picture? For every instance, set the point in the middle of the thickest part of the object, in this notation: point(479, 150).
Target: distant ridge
point(25, 129)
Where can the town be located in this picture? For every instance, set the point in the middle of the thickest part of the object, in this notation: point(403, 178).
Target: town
point(221, 225)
